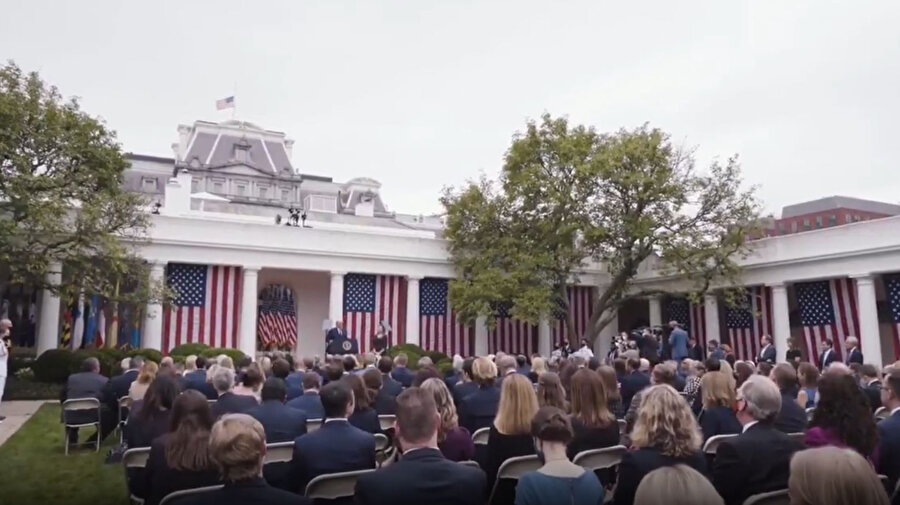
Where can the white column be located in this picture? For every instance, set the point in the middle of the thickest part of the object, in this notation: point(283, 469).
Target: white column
point(605, 337)
point(249, 292)
point(655, 311)
point(781, 321)
point(153, 315)
point(48, 326)
point(481, 336)
point(869, 336)
point(545, 346)
point(336, 297)
point(412, 310)
point(711, 303)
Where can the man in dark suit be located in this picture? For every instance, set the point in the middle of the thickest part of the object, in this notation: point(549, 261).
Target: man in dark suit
point(118, 386)
point(678, 340)
point(791, 417)
point(767, 353)
point(391, 386)
point(872, 387)
point(854, 355)
point(889, 430)
point(336, 333)
point(422, 475)
point(309, 402)
point(466, 385)
point(827, 356)
point(196, 379)
point(695, 350)
point(88, 383)
point(228, 402)
point(758, 460)
point(402, 374)
point(633, 382)
point(337, 446)
point(280, 422)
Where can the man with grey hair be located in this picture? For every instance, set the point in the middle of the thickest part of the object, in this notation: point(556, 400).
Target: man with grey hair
point(228, 402)
point(88, 383)
point(118, 386)
point(757, 460)
point(854, 355)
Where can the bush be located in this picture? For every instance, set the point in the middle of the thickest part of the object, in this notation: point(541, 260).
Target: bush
point(109, 358)
point(188, 349)
point(147, 354)
point(53, 365)
point(235, 354)
point(437, 356)
point(445, 366)
point(412, 351)
point(17, 363)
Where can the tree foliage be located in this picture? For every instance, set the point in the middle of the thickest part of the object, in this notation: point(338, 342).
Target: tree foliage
point(61, 199)
point(569, 199)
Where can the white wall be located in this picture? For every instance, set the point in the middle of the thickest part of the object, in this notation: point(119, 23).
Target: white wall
point(311, 291)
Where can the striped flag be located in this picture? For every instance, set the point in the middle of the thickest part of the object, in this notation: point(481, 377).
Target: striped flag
point(370, 299)
point(277, 321)
point(827, 310)
point(439, 328)
point(206, 307)
point(749, 322)
point(892, 291)
point(511, 335)
point(692, 316)
point(581, 301)
point(225, 103)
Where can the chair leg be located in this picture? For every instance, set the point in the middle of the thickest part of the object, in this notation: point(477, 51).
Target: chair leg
point(66, 429)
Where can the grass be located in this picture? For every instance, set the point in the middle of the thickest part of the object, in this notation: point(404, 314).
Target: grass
point(34, 469)
point(18, 389)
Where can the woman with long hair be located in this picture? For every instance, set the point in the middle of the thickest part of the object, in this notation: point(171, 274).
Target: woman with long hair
point(251, 382)
point(665, 434)
point(150, 417)
point(145, 377)
point(180, 458)
point(454, 441)
point(538, 366)
point(717, 416)
point(676, 485)
point(843, 417)
point(742, 371)
point(478, 409)
point(808, 375)
point(364, 416)
point(510, 433)
point(550, 392)
point(594, 426)
point(834, 476)
point(609, 375)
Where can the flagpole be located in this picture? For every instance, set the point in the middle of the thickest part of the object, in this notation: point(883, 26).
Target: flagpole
point(234, 95)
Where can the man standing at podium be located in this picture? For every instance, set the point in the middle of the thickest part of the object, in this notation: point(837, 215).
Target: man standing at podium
point(336, 333)
point(338, 342)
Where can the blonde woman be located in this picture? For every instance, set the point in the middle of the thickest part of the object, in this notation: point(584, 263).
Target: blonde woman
point(538, 366)
point(718, 416)
point(834, 476)
point(454, 441)
point(478, 409)
point(676, 485)
point(665, 434)
point(145, 377)
point(510, 433)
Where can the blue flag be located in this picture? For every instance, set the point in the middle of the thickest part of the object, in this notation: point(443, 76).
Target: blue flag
point(90, 325)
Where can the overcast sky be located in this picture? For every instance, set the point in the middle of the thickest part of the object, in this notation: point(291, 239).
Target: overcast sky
point(420, 94)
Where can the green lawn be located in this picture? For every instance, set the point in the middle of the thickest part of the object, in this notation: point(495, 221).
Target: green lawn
point(34, 470)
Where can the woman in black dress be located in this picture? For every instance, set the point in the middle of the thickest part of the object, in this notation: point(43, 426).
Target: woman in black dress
point(594, 425)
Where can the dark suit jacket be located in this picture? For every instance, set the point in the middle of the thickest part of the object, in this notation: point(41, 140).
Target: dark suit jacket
point(479, 408)
point(754, 462)
point(230, 403)
point(719, 421)
point(695, 352)
point(422, 476)
point(140, 431)
point(390, 385)
point(385, 403)
point(888, 462)
point(281, 423)
point(84, 385)
point(825, 361)
point(196, 380)
point(768, 355)
point(162, 480)
point(631, 384)
point(310, 404)
point(403, 375)
point(636, 464)
point(366, 420)
point(117, 387)
point(335, 334)
point(337, 446)
point(792, 418)
point(462, 390)
point(856, 356)
point(873, 393)
point(249, 492)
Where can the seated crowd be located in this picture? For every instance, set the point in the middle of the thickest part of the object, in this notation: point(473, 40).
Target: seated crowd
point(696, 432)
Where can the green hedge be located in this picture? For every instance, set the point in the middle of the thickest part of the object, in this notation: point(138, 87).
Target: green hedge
point(188, 349)
point(235, 354)
point(53, 365)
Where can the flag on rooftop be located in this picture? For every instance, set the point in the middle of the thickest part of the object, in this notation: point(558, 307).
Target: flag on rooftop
point(225, 103)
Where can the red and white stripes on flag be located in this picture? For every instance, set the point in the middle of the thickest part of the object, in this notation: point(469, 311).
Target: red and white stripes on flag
point(370, 299)
point(581, 301)
point(827, 310)
point(747, 324)
point(511, 335)
point(438, 326)
point(691, 315)
point(206, 307)
point(276, 323)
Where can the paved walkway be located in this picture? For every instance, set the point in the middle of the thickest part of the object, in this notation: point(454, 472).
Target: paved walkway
point(16, 412)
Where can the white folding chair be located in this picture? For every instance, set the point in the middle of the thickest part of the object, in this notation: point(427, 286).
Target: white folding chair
point(279, 452)
point(124, 409)
point(622, 426)
point(386, 421)
point(313, 425)
point(469, 462)
point(712, 445)
point(809, 413)
point(598, 459)
point(332, 486)
point(882, 413)
point(779, 497)
point(135, 459)
point(171, 498)
point(480, 437)
point(74, 405)
point(800, 437)
point(381, 442)
point(513, 469)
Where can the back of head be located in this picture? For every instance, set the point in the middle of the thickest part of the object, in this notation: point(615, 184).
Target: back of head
point(589, 399)
point(225, 361)
point(385, 364)
point(160, 396)
point(458, 363)
point(834, 476)
point(244, 362)
point(518, 404)
point(844, 409)
point(521, 360)
point(368, 359)
point(505, 364)
point(665, 421)
point(676, 485)
point(785, 377)
point(869, 371)
point(148, 372)
point(417, 416)
point(424, 373)
point(664, 373)
point(551, 424)
point(281, 368)
point(467, 367)
point(634, 364)
point(424, 361)
point(311, 380)
point(200, 361)
point(765, 368)
point(223, 379)
point(610, 380)
point(237, 445)
point(401, 360)
point(443, 400)
point(349, 363)
point(136, 362)
point(717, 390)
point(762, 398)
point(187, 447)
point(90, 365)
point(550, 391)
point(372, 379)
point(274, 389)
point(333, 372)
point(808, 374)
point(484, 372)
point(336, 398)
point(361, 396)
point(743, 370)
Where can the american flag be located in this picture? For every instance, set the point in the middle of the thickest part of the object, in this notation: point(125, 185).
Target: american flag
point(206, 307)
point(827, 310)
point(892, 289)
point(580, 300)
point(370, 299)
point(511, 335)
point(692, 316)
point(277, 321)
point(439, 328)
point(749, 322)
point(225, 103)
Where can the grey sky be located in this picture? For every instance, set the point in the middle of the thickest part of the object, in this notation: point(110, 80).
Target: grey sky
point(423, 93)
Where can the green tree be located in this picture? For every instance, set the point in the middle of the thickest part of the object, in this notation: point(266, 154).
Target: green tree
point(569, 198)
point(61, 198)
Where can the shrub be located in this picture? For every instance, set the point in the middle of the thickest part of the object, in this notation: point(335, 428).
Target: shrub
point(109, 359)
point(412, 351)
point(148, 354)
point(53, 365)
point(188, 349)
point(445, 366)
point(235, 354)
point(437, 356)
point(17, 363)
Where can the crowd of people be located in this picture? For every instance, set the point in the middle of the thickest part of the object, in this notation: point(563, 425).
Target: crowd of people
point(555, 407)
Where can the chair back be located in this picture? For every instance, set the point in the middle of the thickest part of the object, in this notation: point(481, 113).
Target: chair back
point(381, 442)
point(387, 421)
point(712, 444)
point(313, 425)
point(779, 497)
point(514, 468)
point(81, 404)
point(124, 407)
point(332, 486)
point(809, 413)
point(136, 458)
point(279, 452)
point(800, 437)
point(171, 498)
point(882, 413)
point(469, 462)
point(597, 459)
point(480, 437)
point(622, 426)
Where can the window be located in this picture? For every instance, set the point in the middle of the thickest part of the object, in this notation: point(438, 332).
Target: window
point(805, 224)
point(832, 220)
point(195, 185)
point(818, 221)
point(148, 184)
point(321, 203)
point(218, 187)
point(240, 189)
point(286, 195)
point(263, 192)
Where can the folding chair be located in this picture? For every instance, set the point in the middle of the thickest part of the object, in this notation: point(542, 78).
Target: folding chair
point(134, 459)
point(809, 413)
point(882, 413)
point(387, 421)
point(513, 469)
point(779, 497)
point(75, 405)
point(622, 426)
point(332, 486)
point(172, 498)
point(598, 459)
point(800, 437)
point(381, 442)
point(712, 445)
point(473, 464)
point(480, 437)
point(313, 425)
point(280, 452)
point(124, 409)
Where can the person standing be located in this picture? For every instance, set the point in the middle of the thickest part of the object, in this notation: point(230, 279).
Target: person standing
point(854, 355)
point(828, 356)
point(793, 356)
point(695, 350)
point(5, 330)
point(767, 354)
point(678, 341)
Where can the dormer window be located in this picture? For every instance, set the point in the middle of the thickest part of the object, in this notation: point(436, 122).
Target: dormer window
point(242, 151)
